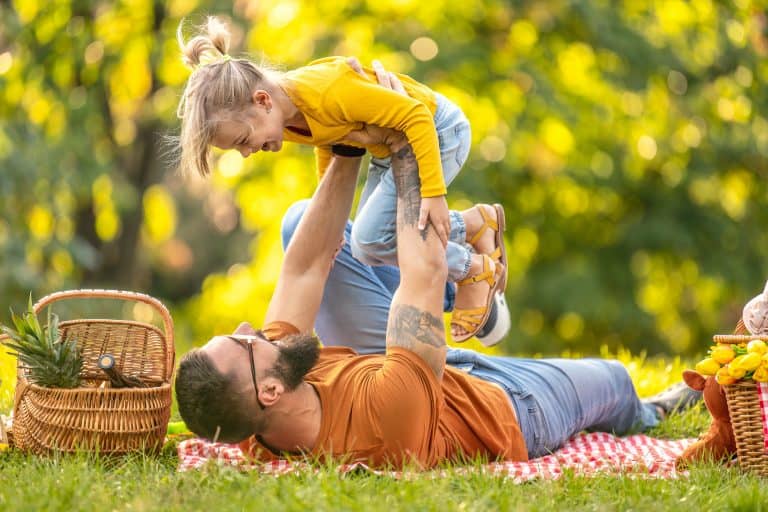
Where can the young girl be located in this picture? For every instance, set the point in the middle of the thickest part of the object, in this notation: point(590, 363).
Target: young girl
point(234, 104)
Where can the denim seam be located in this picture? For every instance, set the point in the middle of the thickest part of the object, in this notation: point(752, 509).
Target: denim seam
point(467, 266)
point(458, 228)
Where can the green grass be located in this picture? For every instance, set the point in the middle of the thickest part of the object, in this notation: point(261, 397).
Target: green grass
point(90, 483)
point(139, 483)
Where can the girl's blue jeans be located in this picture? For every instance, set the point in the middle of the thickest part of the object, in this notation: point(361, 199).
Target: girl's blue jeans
point(374, 240)
point(554, 398)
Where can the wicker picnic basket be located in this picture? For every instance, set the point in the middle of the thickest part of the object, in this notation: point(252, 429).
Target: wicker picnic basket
point(744, 407)
point(96, 417)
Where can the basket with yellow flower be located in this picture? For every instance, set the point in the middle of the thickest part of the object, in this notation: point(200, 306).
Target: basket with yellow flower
point(739, 363)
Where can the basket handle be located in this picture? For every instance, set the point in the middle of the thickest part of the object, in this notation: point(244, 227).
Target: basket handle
point(119, 295)
point(740, 335)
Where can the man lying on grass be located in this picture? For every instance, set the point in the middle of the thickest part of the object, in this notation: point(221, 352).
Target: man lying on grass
point(277, 392)
point(281, 393)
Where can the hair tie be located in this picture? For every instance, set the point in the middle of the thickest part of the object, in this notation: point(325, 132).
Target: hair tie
point(206, 60)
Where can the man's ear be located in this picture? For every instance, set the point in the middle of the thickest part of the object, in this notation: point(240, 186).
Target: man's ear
point(245, 328)
point(270, 390)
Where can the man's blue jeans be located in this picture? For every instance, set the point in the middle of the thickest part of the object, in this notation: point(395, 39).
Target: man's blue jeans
point(554, 398)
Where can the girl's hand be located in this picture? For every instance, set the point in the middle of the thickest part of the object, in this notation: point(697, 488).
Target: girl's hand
point(435, 210)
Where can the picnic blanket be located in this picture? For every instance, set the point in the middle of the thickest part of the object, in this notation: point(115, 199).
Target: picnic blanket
point(584, 454)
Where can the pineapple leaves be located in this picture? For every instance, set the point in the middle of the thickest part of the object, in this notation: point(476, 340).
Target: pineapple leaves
point(48, 360)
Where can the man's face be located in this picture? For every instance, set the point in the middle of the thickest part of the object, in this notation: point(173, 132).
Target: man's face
point(285, 361)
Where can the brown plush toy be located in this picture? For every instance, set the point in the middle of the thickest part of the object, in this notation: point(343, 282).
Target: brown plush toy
point(718, 442)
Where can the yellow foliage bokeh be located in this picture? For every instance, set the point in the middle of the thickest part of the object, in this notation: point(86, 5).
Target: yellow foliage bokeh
point(159, 214)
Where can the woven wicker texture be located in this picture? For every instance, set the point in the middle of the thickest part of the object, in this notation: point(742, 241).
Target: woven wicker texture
point(103, 419)
point(744, 407)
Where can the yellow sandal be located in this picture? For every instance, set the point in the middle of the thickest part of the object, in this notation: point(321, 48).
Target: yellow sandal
point(499, 255)
point(472, 320)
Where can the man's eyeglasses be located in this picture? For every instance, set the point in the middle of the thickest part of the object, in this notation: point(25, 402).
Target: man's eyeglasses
point(246, 341)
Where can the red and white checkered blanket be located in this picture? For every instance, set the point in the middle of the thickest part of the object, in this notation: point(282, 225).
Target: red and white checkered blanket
point(584, 454)
point(762, 392)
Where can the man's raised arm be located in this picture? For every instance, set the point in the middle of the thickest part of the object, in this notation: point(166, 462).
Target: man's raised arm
point(416, 315)
point(308, 257)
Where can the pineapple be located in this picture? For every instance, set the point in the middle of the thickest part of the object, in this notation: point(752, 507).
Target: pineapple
point(49, 361)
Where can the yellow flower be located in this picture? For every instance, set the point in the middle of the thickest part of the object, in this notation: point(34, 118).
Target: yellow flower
point(707, 366)
point(723, 377)
point(736, 371)
point(761, 374)
point(723, 354)
point(757, 347)
point(746, 362)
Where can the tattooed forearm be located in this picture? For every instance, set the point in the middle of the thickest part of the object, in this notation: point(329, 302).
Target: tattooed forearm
point(411, 326)
point(415, 318)
point(405, 171)
point(420, 332)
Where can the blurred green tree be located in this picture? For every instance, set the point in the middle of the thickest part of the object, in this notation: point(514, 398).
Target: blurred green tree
point(628, 142)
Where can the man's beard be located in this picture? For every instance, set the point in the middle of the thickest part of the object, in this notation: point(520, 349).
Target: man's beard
point(297, 355)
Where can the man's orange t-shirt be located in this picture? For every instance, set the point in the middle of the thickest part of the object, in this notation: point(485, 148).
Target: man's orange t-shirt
point(391, 409)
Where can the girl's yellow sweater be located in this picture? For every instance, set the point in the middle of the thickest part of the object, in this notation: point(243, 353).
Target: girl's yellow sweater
point(336, 100)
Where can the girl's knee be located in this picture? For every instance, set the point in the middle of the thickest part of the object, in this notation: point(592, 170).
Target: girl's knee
point(372, 247)
point(291, 220)
point(361, 252)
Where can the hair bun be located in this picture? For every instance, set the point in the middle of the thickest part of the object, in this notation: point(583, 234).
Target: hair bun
point(210, 46)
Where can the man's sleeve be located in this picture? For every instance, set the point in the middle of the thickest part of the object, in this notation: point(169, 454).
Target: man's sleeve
point(405, 401)
point(277, 330)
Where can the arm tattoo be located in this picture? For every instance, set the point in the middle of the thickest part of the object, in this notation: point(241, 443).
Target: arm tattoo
point(405, 170)
point(410, 327)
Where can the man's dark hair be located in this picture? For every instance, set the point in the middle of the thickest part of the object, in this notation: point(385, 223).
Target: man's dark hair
point(208, 400)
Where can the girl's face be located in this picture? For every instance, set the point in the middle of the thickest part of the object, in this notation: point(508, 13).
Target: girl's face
point(259, 128)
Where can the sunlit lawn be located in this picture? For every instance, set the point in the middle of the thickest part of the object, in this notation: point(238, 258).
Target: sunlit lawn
point(152, 483)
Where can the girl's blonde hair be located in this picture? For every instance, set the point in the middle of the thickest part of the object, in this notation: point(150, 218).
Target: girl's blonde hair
point(218, 83)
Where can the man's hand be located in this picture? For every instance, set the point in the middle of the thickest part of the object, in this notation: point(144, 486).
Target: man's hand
point(435, 210)
point(370, 134)
point(384, 77)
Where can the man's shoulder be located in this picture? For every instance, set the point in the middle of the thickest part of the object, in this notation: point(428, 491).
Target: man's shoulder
point(277, 329)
